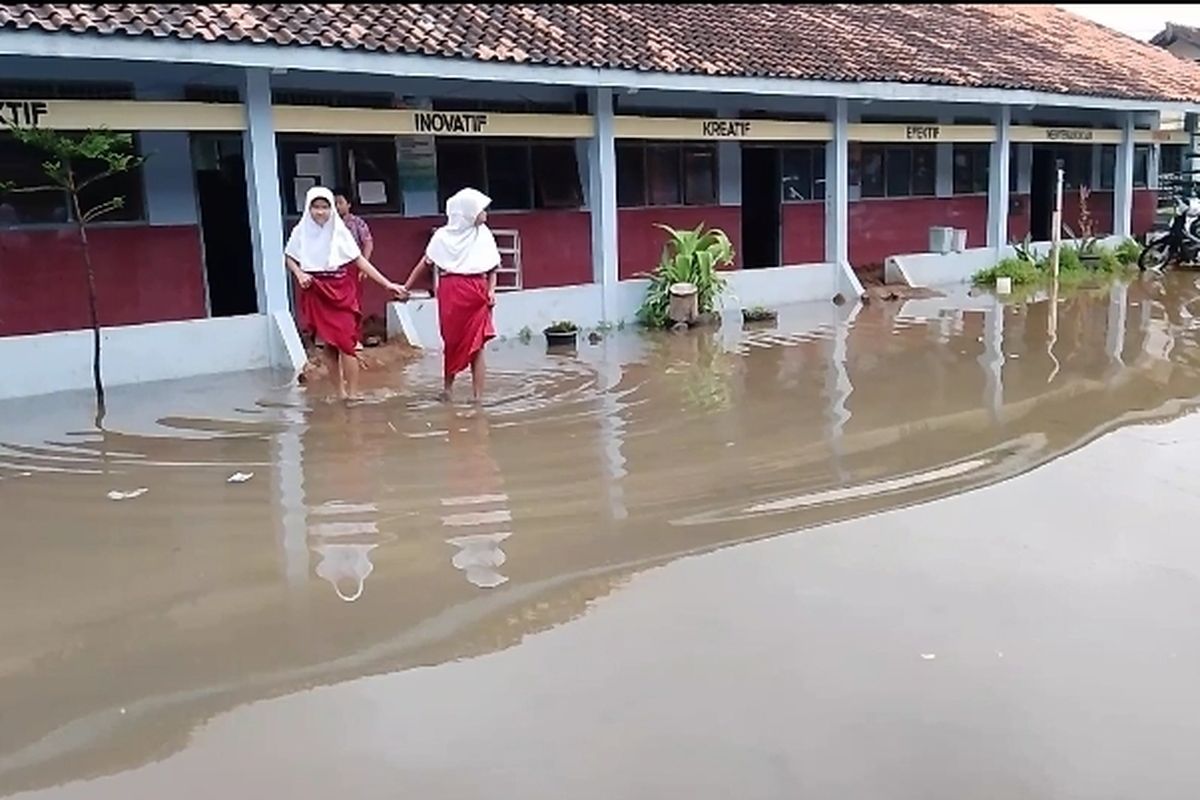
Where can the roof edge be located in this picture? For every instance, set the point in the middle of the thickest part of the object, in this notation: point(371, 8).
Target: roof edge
point(41, 44)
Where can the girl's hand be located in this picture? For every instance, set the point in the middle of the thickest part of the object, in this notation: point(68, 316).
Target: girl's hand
point(304, 279)
point(491, 298)
point(402, 294)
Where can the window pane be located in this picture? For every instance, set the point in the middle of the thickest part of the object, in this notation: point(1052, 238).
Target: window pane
point(556, 176)
point(797, 175)
point(899, 171)
point(872, 171)
point(631, 176)
point(1108, 166)
point(662, 176)
point(963, 163)
point(818, 170)
point(700, 176)
point(924, 170)
point(982, 168)
point(509, 179)
point(374, 161)
point(1141, 163)
point(1014, 167)
point(21, 165)
point(459, 165)
point(317, 157)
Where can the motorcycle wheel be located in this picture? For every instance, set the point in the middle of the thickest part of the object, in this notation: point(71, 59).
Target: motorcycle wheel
point(1154, 255)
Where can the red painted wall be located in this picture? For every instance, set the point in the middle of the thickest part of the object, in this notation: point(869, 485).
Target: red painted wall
point(143, 274)
point(555, 248)
point(1145, 202)
point(640, 244)
point(882, 228)
point(1145, 208)
point(803, 233)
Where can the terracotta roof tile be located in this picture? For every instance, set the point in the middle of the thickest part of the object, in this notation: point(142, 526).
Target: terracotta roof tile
point(1036, 47)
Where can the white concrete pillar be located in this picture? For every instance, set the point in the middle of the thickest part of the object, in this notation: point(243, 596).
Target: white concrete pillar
point(262, 183)
point(1123, 185)
point(944, 179)
point(837, 187)
point(998, 167)
point(602, 202)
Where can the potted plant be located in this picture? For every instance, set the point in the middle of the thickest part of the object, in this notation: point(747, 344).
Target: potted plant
point(562, 335)
point(690, 260)
point(759, 314)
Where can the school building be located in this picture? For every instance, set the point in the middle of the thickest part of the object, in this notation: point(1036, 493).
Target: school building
point(822, 139)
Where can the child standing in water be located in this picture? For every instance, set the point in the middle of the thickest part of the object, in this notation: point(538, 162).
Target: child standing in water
point(324, 258)
point(465, 255)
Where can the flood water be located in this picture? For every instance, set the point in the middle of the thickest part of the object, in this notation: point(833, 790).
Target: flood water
point(942, 548)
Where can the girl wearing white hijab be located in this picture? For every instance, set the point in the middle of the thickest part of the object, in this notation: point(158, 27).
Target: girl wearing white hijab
point(324, 258)
point(465, 255)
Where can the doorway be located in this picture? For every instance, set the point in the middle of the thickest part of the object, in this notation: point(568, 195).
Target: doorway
point(761, 216)
point(1041, 193)
point(225, 225)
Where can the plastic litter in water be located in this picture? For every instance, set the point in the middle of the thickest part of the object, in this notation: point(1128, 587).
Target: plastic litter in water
point(928, 656)
point(116, 495)
point(240, 477)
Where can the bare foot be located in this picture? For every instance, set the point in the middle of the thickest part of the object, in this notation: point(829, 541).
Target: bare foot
point(444, 396)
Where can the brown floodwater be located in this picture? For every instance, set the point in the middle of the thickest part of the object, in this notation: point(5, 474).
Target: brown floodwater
point(942, 548)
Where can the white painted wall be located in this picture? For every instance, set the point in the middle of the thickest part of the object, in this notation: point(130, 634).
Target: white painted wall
point(939, 269)
point(57, 362)
point(537, 308)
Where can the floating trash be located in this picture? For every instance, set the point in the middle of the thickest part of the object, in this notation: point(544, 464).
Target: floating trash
point(116, 495)
point(240, 477)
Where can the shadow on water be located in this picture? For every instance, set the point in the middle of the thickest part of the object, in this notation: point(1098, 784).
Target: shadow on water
point(400, 532)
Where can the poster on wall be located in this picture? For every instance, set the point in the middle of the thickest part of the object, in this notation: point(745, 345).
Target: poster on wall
point(416, 156)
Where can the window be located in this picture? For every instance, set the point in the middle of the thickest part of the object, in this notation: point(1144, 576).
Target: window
point(666, 174)
point(517, 175)
point(803, 174)
point(360, 163)
point(1108, 166)
point(898, 170)
point(971, 166)
point(1170, 159)
point(1076, 165)
point(1014, 168)
point(1141, 165)
point(21, 165)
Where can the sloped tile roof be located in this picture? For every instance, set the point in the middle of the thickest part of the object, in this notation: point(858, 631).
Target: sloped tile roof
point(1036, 47)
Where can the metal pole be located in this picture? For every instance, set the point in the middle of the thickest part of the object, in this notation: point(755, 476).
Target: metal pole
point(1056, 225)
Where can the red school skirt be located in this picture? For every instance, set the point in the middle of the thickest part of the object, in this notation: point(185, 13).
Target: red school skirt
point(465, 319)
point(329, 308)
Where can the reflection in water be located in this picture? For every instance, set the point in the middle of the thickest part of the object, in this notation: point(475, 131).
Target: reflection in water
point(202, 596)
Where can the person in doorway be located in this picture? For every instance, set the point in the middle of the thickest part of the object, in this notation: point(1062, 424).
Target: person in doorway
point(362, 236)
point(465, 255)
point(324, 258)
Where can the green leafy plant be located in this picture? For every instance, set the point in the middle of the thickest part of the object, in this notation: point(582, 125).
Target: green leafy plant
point(1128, 251)
point(758, 314)
point(525, 335)
point(1018, 270)
point(563, 326)
point(689, 256)
point(73, 164)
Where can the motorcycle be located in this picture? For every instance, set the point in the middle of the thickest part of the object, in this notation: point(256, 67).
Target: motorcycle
point(1180, 244)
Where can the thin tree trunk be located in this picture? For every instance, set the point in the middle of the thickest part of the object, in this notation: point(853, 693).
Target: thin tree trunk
point(97, 382)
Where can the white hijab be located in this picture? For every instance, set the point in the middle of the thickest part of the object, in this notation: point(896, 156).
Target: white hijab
point(321, 248)
point(460, 246)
